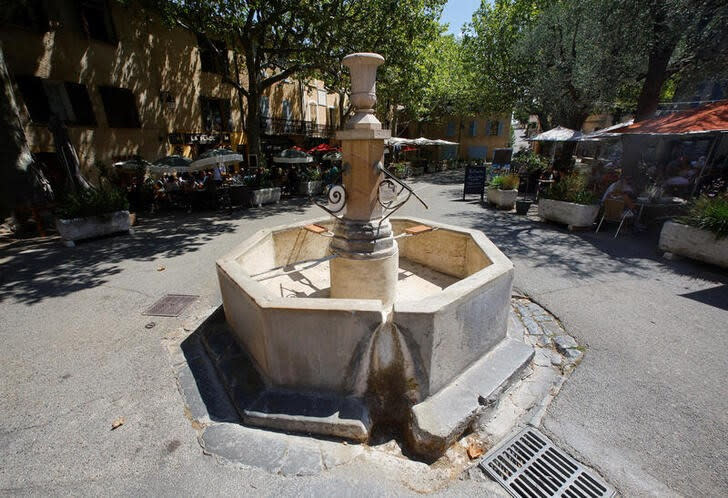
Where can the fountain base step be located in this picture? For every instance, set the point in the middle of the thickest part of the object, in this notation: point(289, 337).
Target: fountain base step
point(440, 419)
point(316, 414)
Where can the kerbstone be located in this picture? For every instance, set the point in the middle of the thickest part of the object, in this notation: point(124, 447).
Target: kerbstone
point(309, 413)
point(438, 420)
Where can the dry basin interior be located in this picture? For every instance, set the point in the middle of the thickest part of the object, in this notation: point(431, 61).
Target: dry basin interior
point(284, 261)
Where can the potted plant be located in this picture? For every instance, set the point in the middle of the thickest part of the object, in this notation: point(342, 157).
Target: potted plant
point(702, 233)
point(523, 205)
point(260, 189)
point(569, 201)
point(530, 166)
point(503, 190)
point(91, 213)
point(310, 183)
point(399, 170)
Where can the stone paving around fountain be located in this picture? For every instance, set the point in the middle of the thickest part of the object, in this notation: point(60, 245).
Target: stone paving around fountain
point(217, 382)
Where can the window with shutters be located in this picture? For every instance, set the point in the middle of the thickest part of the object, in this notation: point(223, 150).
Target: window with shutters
point(95, 19)
point(450, 132)
point(69, 101)
point(215, 114)
point(29, 14)
point(120, 107)
point(213, 56)
point(495, 128)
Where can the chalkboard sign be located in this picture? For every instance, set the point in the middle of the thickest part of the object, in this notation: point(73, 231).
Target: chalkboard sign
point(502, 157)
point(474, 181)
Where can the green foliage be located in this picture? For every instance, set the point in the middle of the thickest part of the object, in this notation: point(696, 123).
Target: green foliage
point(565, 60)
point(399, 170)
point(530, 161)
point(572, 188)
point(311, 174)
point(709, 213)
point(505, 182)
point(92, 203)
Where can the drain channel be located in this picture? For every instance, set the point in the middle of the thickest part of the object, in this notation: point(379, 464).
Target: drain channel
point(530, 465)
point(170, 305)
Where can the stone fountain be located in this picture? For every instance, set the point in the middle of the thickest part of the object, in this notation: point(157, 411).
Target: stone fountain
point(362, 321)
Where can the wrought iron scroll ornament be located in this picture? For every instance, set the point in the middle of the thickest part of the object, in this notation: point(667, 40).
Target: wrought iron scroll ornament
point(336, 201)
point(399, 191)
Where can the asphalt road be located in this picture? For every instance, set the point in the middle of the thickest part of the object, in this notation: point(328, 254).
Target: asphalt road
point(647, 407)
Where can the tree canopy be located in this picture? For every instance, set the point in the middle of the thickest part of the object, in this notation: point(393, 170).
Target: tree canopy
point(567, 59)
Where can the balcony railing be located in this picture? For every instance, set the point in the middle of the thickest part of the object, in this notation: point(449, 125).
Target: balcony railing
point(278, 126)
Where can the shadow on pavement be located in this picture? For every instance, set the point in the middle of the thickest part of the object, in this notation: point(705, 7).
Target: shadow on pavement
point(581, 254)
point(32, 270)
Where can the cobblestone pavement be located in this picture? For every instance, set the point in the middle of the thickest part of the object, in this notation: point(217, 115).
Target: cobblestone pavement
point(646, 405)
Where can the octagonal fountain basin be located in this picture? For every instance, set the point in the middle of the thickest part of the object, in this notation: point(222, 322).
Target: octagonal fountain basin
point(344, 367)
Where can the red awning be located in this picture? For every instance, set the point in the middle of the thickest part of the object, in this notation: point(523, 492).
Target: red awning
point(709, 118)
point(323, 148)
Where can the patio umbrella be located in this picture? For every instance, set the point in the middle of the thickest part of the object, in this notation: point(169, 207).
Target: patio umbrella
point(170, 164)
point(215, 157)
point(173, 161)
point(132, 165)
point(558, 134)
point(333, 156)
point(292, 156)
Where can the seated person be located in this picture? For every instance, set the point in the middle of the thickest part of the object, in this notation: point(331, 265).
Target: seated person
point(622, 189)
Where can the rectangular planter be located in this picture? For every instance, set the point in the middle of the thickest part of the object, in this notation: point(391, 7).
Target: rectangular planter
point(95, 226)
point(572, 214)
point(504, 199)
point(261, 196)
point(694, 243)
point(314, 187)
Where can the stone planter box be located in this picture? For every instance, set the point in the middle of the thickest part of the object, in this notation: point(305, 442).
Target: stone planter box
point(572, 214)
point(260, 196)
point(694, 243)
point(504, 199)
point(311, 188)
point(96, 226)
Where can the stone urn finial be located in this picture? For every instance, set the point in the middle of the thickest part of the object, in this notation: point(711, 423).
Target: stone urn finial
point(363, 69)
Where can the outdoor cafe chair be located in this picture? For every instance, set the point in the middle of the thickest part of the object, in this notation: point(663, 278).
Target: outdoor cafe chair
point(615, 212)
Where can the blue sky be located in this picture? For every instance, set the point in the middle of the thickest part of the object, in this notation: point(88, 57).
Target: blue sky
point(458, 12)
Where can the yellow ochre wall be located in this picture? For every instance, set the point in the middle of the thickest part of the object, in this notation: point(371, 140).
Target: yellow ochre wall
point(148, 59)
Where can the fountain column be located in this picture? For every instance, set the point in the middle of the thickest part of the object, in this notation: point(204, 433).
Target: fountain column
point(368, 257)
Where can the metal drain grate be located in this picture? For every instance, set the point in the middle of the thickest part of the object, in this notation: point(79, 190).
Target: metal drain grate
point(170, 305)
point(529, 465)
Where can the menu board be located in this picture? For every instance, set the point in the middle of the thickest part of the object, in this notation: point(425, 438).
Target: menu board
point(474, 181)
point(502, 157)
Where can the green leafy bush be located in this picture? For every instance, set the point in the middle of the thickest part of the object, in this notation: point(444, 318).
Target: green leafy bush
point(571, 188)
point(399, 170)
point(505, 182)
point(312, 174)
point(709, 213)
point(530, 161)
point(92, 202)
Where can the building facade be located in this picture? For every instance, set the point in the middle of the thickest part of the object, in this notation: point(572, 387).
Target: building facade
point(478, 136)
point(126, 85)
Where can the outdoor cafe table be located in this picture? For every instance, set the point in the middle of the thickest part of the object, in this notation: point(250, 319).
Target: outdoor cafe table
point(659, 209)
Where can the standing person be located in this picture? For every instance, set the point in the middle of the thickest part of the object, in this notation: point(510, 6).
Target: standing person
point(217, 175)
